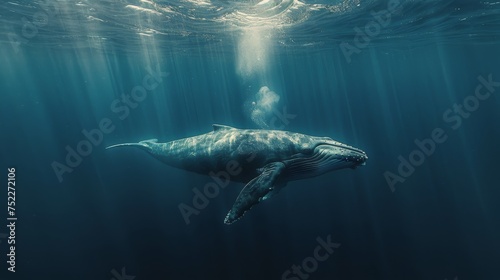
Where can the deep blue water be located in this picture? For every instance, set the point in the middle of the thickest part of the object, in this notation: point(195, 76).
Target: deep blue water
point(270, 65)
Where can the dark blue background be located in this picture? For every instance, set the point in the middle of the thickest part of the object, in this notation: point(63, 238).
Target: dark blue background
point(119, 208)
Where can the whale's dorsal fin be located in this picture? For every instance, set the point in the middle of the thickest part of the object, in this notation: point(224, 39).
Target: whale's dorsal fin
point(259, 188)
point(221, 127)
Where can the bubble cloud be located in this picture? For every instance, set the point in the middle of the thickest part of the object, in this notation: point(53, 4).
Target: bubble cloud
point(263, 106)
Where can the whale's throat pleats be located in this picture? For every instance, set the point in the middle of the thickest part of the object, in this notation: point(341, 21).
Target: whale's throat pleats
point(304, 167)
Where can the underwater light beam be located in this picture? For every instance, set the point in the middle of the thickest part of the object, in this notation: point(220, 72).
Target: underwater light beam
point(253, 50)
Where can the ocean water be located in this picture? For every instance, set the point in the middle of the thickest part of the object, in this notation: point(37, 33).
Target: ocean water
point(412, 83)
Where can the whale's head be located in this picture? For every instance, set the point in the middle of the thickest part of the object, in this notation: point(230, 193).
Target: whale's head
point(332, 155)
point(326, 156)
point(337, 155)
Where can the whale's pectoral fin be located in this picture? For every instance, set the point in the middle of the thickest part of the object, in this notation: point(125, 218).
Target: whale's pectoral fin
point(259, 188)
point(276, 189)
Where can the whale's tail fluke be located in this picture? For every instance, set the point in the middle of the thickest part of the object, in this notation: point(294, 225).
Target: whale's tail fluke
point(145, 145)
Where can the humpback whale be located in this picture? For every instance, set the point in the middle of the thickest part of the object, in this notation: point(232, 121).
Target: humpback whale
point(269, 159)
